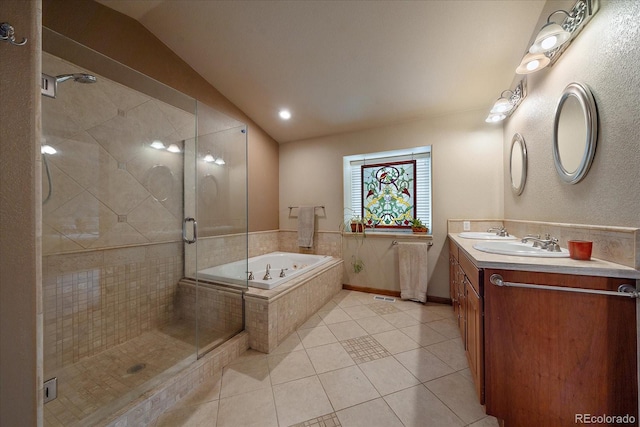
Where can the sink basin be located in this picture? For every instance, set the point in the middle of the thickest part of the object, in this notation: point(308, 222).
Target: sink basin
point(519, 249)
point(483, 235)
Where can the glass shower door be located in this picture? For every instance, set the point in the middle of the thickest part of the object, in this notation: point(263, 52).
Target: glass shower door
point(216, 196)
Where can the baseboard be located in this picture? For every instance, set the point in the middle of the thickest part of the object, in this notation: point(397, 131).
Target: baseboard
point(387, 292)
point(392, 293)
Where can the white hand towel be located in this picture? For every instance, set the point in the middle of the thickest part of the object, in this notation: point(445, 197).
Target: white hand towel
point(413, 271)
point(306, 223)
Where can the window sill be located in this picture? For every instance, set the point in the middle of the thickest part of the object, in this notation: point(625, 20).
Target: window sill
point(390, 234)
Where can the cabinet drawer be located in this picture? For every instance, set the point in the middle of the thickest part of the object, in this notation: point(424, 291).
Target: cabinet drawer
point(453, 249)
point(471, 271)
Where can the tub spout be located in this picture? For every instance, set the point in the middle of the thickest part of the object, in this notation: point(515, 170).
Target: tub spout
point(267, 276)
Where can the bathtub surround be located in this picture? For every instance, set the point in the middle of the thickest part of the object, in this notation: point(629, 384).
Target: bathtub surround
point(271, 315)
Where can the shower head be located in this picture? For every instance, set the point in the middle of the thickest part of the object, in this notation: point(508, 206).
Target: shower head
point(77, 77)
point(50, 83)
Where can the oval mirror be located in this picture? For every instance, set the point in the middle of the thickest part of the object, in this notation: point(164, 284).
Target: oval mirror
point(518, 164)
point(575, 133)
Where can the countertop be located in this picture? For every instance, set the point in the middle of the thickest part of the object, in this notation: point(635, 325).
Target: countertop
point(593, 267)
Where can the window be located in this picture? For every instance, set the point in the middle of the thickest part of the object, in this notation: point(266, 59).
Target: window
point(405, 177)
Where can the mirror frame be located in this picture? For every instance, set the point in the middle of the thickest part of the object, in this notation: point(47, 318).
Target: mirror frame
point(588, 104)
point(518, 189)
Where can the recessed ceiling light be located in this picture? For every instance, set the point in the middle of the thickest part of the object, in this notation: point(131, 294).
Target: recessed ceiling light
point(285, 114)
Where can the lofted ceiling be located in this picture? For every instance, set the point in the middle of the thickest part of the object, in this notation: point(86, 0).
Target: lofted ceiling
point(342, 66)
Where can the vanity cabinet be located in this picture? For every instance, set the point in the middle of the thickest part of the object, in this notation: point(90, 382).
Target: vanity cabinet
point(465, 282)
point(552, 356)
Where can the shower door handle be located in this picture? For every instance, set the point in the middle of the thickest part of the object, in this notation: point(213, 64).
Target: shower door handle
point(184, 230)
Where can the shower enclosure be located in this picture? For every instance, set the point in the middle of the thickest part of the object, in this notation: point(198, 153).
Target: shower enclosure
point(142, 187)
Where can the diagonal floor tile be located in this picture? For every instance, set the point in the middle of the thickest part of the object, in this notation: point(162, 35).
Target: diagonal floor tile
point(329, 357)
point(375, 413)
point(347, 387)
point(289, 366)
point(245, 377)
point(423, 364)
point(253, 409)
point(300, 400)
point(418, 407)
point(459, 394)
point(388, 375)
point(395, 341)
point(347, 330)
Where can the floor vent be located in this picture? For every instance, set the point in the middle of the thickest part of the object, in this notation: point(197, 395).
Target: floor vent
point(387, 299)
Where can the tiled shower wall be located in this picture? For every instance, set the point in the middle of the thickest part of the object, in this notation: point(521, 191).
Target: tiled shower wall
point(98, 299)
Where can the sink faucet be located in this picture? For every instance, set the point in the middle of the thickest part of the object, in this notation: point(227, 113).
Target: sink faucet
point(267, 276)
point(500, 231)
point(548, 243)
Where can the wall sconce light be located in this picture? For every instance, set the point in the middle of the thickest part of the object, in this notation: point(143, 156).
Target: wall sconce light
point(210, 159)
point(554, 38)
point(47, 149)
point(507, 103)
point(158, 145)
point(173, 148)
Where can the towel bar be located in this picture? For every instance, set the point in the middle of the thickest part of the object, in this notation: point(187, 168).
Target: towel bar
point(296, 207)
point(395, 242)
point(623, 290)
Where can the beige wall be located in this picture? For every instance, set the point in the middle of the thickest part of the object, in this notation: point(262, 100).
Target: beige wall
point(127, 41)
point(20, 253)
point(467, 175)
point(605, 57)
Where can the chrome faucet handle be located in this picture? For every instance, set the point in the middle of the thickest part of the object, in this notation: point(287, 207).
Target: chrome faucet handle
point(282, 272)
point(500, 231)
point(250, 277)
point(553, 245)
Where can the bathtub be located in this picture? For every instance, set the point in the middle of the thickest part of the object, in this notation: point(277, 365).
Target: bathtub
point(236, 272)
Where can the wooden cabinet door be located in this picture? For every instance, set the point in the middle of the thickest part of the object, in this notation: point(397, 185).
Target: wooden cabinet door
point(475, 340)
point(552, 355)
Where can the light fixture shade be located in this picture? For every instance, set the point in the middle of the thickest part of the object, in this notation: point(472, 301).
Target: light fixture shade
point(495, 117)
point(532, 62)
point(158, 145)
point(550, 37)
point(209, 158)
point(173, 148)
point(502, 105)
point(219, 161)
point(47, 149)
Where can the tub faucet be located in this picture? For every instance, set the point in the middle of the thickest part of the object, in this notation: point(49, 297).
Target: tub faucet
point(267, 276)
point(282, 272)
point(250, 275)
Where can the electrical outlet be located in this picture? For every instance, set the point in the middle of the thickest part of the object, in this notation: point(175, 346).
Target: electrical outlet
point(466, 225)
point(50, 389)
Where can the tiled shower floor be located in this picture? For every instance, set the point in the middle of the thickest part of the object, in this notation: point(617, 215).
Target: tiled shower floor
point(91, 388)
point(357, 362)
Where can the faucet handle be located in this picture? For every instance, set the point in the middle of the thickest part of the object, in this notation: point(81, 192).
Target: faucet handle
point(282, 272)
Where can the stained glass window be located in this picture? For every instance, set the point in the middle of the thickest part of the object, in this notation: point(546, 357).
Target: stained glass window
point(389, 194)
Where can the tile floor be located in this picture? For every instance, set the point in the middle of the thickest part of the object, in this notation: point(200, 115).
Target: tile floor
point(356, 362)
